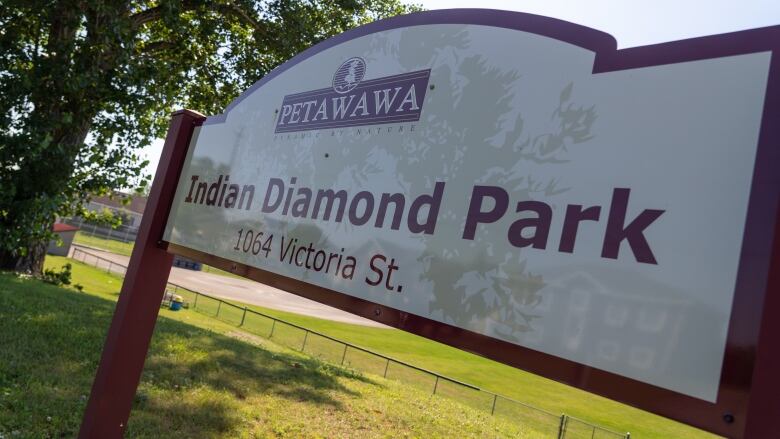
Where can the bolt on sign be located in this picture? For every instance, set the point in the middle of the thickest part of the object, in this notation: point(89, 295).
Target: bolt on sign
point(515, 186)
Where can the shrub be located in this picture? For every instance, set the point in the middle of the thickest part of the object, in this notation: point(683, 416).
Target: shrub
point(58, 278)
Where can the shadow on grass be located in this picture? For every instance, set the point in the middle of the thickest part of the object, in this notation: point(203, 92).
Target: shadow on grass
point(194, 381)
point(182, 355)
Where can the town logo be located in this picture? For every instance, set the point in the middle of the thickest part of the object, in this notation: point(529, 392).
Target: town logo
point(349, 75)
point(353, 101)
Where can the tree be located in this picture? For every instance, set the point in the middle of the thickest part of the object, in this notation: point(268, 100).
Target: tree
point(84, 84)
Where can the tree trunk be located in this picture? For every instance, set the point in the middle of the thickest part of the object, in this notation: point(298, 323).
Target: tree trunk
point(30, 263)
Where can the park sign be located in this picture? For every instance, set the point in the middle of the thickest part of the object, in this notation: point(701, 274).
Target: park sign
point(483, 178)
point(517, 187)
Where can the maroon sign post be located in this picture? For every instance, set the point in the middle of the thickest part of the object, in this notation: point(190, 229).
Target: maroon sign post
point(764, 404)
point(747, 397)
point(136, 311)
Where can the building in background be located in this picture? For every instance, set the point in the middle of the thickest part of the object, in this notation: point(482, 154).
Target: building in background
point(130, 213)
point(66, 232)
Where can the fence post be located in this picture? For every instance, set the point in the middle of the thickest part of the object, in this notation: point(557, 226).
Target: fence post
point(436, 384)
point(562, 427)
point(592, 435)
point(242, 318)
point(273, 326)
point(305, 336)
point(218, 308)
point(387, 365)
point(109, 267)
point(493, 409)
point(344, 355)
point(195, 302)
point(628, 435)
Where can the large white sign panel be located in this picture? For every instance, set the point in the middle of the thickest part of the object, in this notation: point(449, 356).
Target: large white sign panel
point(486, 178)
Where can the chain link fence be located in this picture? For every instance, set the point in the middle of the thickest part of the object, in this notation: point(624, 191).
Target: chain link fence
point(538, 421)
point(121, 233)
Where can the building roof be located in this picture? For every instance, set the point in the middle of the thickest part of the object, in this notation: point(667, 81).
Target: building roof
point(137, 203)
point(60, 227)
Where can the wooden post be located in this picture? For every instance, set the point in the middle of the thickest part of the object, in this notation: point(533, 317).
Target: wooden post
point(132, 326)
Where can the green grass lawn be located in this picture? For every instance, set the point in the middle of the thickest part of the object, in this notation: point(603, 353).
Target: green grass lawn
point(492, 376)
point(487, 374)
point(201, 379)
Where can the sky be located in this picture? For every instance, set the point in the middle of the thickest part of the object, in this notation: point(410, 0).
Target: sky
point(631, 22)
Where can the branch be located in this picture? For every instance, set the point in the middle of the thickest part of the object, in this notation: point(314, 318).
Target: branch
point(155, 46)
point(153, 14)
point(141, 18)
point(232, 9)
point(228, 8)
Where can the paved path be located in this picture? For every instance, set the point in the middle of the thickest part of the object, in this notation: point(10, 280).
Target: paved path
point(240, 290)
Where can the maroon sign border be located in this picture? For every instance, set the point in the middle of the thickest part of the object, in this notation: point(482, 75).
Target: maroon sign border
point(747, 398)
point(728, 415)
